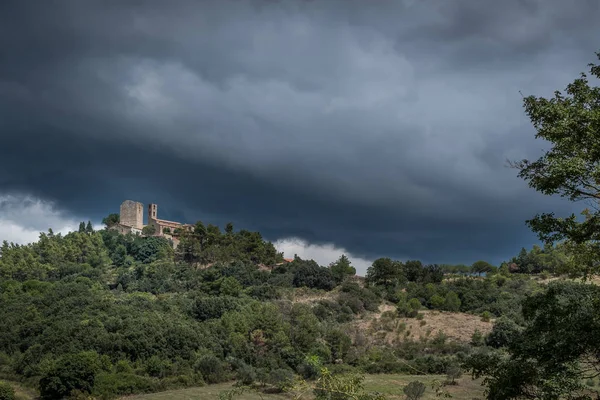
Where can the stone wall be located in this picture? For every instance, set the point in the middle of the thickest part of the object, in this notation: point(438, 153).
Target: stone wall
point(132, 214)
point(124, 229)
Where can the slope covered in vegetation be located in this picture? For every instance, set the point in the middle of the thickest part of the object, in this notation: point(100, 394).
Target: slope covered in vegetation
point(108, 314)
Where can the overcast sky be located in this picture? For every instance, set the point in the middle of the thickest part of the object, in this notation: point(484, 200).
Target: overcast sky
point(375, 128)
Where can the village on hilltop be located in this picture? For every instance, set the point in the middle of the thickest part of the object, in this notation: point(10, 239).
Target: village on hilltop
point(131, 214)
point(131, 220)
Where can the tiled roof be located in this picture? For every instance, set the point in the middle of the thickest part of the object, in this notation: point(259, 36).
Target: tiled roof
point(168, 223)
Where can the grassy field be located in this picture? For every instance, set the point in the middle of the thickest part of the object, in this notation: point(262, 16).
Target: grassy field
point(390, 385)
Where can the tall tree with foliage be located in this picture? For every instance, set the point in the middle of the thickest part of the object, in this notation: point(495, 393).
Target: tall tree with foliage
point(385, 272)
point(111, 220)
point(342, 268)
point(558, 347)
point(570, 122)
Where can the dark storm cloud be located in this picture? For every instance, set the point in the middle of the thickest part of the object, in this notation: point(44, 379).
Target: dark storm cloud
point(381, 127)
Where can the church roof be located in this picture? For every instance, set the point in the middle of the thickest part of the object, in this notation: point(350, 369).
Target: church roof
point(164, 222)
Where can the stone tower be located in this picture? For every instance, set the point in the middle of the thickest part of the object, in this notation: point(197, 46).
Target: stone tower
point(132, 214)
point(152, 212)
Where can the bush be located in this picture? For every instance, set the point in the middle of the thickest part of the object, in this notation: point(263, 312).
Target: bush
point(71, 372)
point(355, 304)
point(486, 316)
point(339, 343)
point(205, 308)
point(263, 292)
point(123, 367)
point(477, 339)
point(310, 368)
point(313, 276)
point(230, 287)
point(369, 299)
point(414, 390)
point(246, 374)
point(108, 385)
point(452, 302)
point(6, 391)
point(156, 367)
point(281, 379)
point(436, 301)
point(503, 333)
point(408, 308)
point(212, 369)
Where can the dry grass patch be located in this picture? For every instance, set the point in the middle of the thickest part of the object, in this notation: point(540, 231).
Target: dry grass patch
point(306, 295)
point(385, 327)
point(457, 326)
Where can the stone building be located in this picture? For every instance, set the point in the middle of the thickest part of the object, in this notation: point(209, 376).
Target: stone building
point(132, 221)
point(132, 214)
point(162, 226)
point(125, 229)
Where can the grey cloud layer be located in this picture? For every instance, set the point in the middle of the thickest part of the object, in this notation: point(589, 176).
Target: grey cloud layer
point(382, 129)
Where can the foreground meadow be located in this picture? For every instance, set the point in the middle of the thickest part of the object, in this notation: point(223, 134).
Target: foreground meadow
point(390, 385)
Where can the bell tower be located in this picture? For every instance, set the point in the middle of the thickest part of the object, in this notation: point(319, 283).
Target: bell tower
point(152, 212)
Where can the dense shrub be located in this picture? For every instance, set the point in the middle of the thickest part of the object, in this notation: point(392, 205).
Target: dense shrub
point(111, 385)
point(71, 372)
point(212, 369)
point(370, 301)
point(313, 276)
point(504, 332)
point(281, 378)
point(6, 392)
point(204, 308)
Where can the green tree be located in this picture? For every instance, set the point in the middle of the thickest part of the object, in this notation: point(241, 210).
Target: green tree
point(81, 227)
point(230, 287)
point(570, 123)
point(200, 232)
point(413, 270)
point(384, 272)
point(453, 372)
point(69, 373)
point(436, 301)
point(120, 255)
point(149, 230)
point(504, 332)
point(89, 228)
point(342, 268)
point(310, 274)
point(452, 302)
point(481, 267)
point(553, 354)
point(111, 219)
point(477, 339)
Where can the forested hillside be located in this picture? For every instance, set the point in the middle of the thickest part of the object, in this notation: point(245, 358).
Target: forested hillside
point(108, 314)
